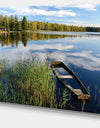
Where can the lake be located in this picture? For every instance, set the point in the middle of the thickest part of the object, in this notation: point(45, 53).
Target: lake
point(80, 51)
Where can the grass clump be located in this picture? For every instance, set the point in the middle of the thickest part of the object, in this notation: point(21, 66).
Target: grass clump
point(27, 82)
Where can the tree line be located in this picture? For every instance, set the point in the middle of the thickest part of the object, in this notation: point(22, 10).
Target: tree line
point(12, 23)
point(14, 38)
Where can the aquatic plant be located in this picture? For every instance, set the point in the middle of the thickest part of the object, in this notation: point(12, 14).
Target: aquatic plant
point(66, 97)
point(83, 106)
point(27, 82)
point(30, 82)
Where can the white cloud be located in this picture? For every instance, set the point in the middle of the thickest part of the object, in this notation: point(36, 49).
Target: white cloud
point(88, 7)
point(48, 19)
point(5, 12)
point(10, 3)
point(74, 21)
point(29, 11)
point(91, 25)
point(82, 4)
point(78, 23)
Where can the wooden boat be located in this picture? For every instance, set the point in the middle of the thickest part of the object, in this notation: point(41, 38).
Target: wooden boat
point(81, 95)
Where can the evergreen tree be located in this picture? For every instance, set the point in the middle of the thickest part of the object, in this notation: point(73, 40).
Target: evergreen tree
point(36, 26)
point(19, 26)
point(7, 22)
point(1, 21)
point(12, 23)
point(24, 23)
point(16, 22)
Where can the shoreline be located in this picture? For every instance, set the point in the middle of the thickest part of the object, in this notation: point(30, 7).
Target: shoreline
point(44, 31)
point(38, 31)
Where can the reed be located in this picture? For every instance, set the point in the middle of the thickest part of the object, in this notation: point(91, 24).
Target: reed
point(27, 82)
point(30, 82)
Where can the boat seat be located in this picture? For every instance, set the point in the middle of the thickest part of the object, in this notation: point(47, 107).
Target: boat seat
point(78, 92)
point(65, 77)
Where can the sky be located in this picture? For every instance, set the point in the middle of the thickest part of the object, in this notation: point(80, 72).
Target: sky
point(73, 12)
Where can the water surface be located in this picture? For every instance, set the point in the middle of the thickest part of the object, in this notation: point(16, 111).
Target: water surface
point(79, 51)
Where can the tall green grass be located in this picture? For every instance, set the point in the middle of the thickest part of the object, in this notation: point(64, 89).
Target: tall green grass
point(28, 82)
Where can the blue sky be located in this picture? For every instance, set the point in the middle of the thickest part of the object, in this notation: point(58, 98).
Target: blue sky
point(72, 14)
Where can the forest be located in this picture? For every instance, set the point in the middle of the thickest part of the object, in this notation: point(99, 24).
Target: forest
point(12, 23)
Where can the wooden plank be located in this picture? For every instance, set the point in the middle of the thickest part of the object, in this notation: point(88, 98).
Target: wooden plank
point(77, 79)
point(78, 92)
point(69, 87)
point(84, 97)
point(65, 77)
point(56, 64)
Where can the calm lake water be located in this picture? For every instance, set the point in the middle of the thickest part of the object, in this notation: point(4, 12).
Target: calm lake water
point(79, 51)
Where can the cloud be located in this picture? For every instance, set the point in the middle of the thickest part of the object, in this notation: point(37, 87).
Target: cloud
point(88, 7)
point(76, 22)
point(5, 12)
point(81, 4)
point(48, 19)
point(34, 12)
point(58, 3)
point(79, 23)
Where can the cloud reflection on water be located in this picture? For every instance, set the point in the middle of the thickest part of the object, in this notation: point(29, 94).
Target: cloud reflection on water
point(83, 59)
point(61, 52)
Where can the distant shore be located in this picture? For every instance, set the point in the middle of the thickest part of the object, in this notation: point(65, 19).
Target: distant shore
point(37, 31)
